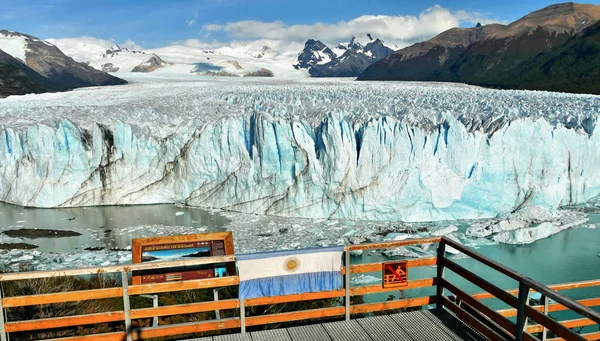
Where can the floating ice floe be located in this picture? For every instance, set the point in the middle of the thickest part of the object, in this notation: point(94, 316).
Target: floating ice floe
point(527, 225)
point(364, 279)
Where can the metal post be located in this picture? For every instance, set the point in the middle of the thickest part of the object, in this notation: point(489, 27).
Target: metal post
point(544, 301)
point(242, 316)
point(521, 314)
point(441, 253)
point(216, 296)
point(3, 336)
point(126, 307)
point(347, 279)
point(154, 305)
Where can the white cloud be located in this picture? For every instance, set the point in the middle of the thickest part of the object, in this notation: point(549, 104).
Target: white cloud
point(247, 37)
point(393, 29)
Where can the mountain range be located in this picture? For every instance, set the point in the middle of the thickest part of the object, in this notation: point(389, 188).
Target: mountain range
point(556, 48)
point(346, 60)
point(31, 65)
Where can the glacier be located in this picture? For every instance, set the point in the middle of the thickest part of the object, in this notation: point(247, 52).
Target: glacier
point(327, 149)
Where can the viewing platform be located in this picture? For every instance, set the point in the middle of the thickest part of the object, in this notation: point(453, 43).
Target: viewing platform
point(439, 307)
point(411, 326)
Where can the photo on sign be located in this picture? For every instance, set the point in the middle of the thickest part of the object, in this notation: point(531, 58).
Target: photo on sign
point(175, 254)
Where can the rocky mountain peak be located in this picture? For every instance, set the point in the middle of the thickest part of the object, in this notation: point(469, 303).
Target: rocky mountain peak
point(314, 52)
point(570, 18)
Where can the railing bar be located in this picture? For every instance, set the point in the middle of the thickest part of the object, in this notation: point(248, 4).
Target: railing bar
point(64, 321)
point(116, 268)
point(567, 302)
point(186, 328)
point(396, 304)
point(126, 307)
point(295, 316)
point(472, 321)
point(555, 287)
point(376, 289)
point(481, 317)
point(347, 286)
point(500, 320)
point(482, 283)
point(552, 325)
point(252, 302)
point(188, 308)
point(483, 259)
point(530, 283)
point(552, 307)
point(392, 244)
point(376, 267)
point(183, 285)
point(61, 297)
point(573, 323)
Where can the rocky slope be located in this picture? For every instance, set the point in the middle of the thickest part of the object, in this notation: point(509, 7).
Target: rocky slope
point(497, 55)
point(121, 59)
point(349, 60)
point(45, 67)
point(16, 78)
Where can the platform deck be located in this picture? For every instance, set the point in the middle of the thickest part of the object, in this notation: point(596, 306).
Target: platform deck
point(410, 326)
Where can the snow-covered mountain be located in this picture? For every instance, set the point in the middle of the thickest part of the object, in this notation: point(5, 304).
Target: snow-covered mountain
point(109, 58)
point(345, 60)
point(228, 61)
point(250, 60)
point(314, 52)
point(44, 67)
point(121, 59)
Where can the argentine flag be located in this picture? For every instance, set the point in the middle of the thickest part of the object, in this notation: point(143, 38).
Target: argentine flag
point(290, 272)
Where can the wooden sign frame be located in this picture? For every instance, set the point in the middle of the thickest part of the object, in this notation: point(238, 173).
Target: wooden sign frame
point(394, 274)
point(138, 246)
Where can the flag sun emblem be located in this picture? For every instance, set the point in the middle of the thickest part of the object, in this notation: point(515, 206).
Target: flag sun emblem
point(291, 264)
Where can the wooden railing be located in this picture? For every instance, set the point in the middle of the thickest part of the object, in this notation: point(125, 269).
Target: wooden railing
point(496, 325)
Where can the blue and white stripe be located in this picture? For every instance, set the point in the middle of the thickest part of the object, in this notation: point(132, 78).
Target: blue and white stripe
point(274, 274)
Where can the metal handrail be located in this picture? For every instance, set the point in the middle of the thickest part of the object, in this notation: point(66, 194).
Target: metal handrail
point(527, 281)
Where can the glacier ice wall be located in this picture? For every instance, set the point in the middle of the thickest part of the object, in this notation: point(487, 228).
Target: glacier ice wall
point(377, 169)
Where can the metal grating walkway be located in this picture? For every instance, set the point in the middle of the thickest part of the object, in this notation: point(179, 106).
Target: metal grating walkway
point(412, 326)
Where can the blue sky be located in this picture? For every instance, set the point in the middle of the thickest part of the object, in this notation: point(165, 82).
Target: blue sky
point(153, 23)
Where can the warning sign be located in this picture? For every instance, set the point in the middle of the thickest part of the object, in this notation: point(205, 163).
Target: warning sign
point(395, 274)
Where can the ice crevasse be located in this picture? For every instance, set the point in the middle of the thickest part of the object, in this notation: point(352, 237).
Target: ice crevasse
point(375, 169)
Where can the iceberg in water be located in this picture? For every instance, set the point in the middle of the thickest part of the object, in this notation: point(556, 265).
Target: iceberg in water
point(527, 225)
point(409, 152)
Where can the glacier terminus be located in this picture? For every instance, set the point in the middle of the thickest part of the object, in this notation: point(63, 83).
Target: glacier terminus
point(313, 148)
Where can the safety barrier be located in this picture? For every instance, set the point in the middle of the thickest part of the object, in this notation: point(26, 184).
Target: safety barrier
point(496, 325)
